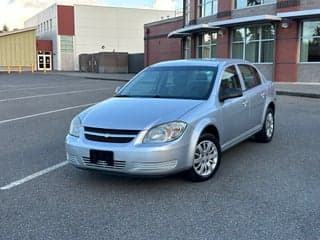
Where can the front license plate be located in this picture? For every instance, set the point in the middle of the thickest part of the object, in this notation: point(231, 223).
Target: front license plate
point(104, 156)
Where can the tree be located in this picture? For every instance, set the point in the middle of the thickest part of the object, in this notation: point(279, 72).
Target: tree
point(5, 28)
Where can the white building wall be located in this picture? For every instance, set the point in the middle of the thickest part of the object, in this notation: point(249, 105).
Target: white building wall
point(47, 31)
point(99, 29)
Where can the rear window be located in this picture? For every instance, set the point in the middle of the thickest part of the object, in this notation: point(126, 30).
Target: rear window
point(250, 76)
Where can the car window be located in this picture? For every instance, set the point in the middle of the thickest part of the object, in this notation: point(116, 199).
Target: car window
point(230, 79)
point(182, 82)
point(250, 76)
point(148, 83)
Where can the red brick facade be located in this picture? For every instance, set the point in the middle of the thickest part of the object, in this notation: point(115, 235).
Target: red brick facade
point(157, 46)
point(286, 51)
point(286, 44)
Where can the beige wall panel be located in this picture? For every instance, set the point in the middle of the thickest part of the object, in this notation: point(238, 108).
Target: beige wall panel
point(18, 49)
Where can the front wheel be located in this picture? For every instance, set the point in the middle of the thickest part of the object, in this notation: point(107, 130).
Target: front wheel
point(266, 133)
point(206, 159)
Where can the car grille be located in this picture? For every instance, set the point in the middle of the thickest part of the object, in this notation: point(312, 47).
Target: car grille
point(109, 135)
point(103, 164)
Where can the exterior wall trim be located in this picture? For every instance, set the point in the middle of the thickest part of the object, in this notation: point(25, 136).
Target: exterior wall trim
point(299, 14)
point(258, 18)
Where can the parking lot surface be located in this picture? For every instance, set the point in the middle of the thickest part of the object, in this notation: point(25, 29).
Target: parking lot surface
point(261, 191)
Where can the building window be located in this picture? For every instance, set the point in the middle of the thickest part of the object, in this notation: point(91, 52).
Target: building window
point(255, 44)
point(207, 8)
point(251, 3)
point(310, 41)
point(50, 24)
point(187, 48)
point(206, 45)
point(66, 44)
point(187, 12)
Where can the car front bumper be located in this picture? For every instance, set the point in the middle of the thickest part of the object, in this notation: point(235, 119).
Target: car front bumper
point(139, 159)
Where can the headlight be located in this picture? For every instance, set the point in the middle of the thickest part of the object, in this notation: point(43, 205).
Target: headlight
point(75, 127)
point(165, 132)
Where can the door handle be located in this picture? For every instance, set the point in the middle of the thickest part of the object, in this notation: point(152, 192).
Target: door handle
point(245, 103)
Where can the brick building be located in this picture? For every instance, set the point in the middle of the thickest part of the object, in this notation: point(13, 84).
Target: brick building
point(282, 37)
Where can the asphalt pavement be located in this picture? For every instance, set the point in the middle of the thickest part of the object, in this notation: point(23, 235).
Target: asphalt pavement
point(261, 191)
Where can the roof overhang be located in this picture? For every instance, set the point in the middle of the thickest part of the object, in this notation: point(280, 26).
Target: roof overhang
point(18, 31)
point(244, 20)
point(300, 14)
point(187, 31)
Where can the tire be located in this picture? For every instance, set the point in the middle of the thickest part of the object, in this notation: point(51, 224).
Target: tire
point(206, 159)
point(267, 132)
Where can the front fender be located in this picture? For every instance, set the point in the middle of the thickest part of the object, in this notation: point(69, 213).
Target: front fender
point(198, 129)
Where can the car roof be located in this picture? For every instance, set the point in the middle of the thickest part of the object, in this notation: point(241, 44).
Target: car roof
point(210, 62)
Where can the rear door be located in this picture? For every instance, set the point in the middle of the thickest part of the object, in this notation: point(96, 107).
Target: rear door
point(235, 111)
point(255, 92)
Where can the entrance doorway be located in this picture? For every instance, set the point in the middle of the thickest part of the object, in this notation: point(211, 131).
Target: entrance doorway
point(44, 61)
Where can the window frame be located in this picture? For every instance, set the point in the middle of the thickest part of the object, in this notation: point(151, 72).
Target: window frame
point(263, 2)
point(199, 47)
point(260, 41)
point(187, 48)
point(202, 7)
point(302, 38)
point(187, 11)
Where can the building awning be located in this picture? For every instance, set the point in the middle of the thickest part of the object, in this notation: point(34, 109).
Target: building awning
point(300, 14)
point(187, 31)
point(244, 20)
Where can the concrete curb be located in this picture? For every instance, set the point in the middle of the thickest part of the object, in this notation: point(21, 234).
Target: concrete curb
point(298, 94)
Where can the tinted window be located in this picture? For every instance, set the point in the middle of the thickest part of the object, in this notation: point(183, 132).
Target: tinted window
point(172, 82)
point(230, 79)
point(250, 76)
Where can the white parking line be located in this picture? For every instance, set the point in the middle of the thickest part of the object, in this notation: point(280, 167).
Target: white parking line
point(33, 176)
point(52, 94)
point(45, 113)
point(44, 87)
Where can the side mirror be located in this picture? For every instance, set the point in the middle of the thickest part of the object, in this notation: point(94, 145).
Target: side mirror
point(117, 90)
point(227, 93)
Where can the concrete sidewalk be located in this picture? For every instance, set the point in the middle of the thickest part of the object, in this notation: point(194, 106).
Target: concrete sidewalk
point(300, 89)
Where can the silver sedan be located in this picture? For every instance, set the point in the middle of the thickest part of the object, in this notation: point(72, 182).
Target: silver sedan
point(175, 116)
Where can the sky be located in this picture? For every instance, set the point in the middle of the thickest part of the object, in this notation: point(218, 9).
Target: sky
point(13, 13)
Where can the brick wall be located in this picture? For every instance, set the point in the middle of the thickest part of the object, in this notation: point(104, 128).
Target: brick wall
point(288, 5)
point(309, 4)
point(287, 52)
point(157, 46)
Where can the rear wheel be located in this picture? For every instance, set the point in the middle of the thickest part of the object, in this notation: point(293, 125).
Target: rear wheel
point(206, 159)
point(266, 133)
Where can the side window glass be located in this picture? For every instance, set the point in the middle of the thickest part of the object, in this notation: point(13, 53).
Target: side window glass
point(230, 79)
point(250, 76)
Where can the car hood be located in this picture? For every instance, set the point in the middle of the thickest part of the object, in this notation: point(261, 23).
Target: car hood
point(136, 113)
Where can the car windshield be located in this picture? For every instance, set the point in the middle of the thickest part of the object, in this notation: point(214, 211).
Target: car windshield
point(172, 82)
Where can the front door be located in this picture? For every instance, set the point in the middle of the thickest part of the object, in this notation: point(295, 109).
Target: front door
point(44, 61)
point(40, 61)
